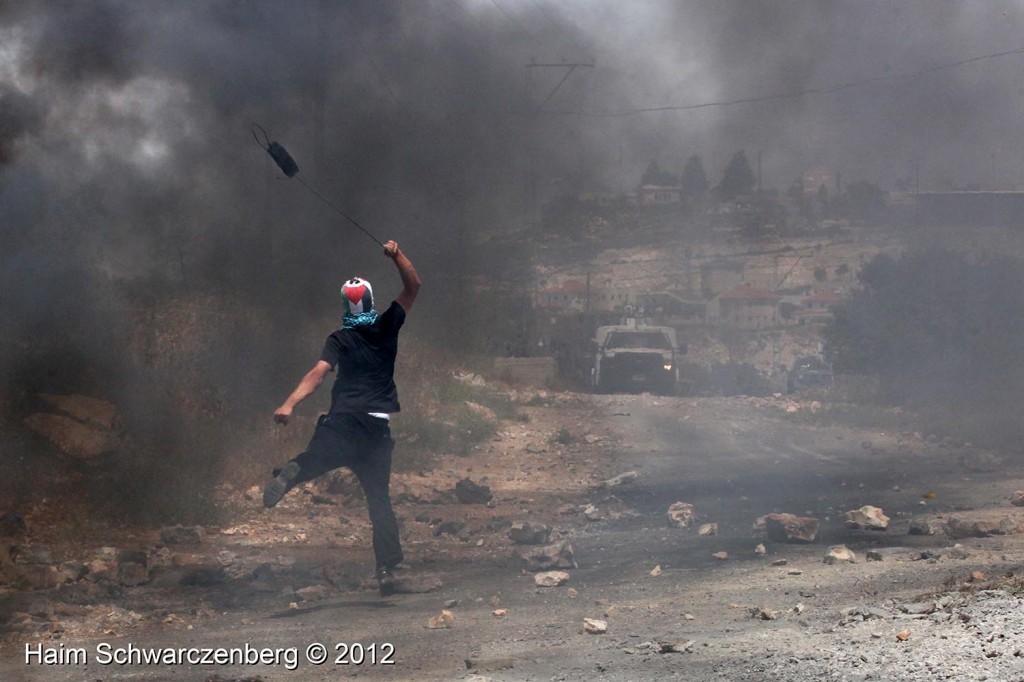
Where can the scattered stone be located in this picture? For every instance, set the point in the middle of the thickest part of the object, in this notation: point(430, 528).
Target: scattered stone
point(500, 612)
point(903, 635)
point(721, 556)
point(919, 608)
point(86, 409)
point(799, 608)
point(1017, 500)
point(181, 535)
point(572, 592)
point(680, 514)
point(977, 577)
point(840, 554)
point(99, 570)
point(779, 562)
point(548, 557)
point(469, 492)
point(551, 578)
point(867, 517)
point(488, 663)
point(874, 555)
point(31, 576)
point(592, 513)
point(981, 461)
point(132, 574)
point(685, 646)
point(442, 621)
point(708, 529)
point(620, 480)
point(929, 527)
point(791, 528)
point(481, 411)
point(449, 528)
point(656, 571)
point(760, 549)
point(964, 527)
point(593, 626)
point(71, 571)
point(763, 613)
point(527, 533)
point(451, 603)
point(31, 554)
point(314, 593)
point(82, 432)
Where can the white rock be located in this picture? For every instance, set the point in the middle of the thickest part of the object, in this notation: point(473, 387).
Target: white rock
point(840, 554)
point(680, 514)
point(551, 578)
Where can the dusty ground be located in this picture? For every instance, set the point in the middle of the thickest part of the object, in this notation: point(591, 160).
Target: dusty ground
point(931, 606)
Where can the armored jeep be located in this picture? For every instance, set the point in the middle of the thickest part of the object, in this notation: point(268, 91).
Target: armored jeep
point(635, 358)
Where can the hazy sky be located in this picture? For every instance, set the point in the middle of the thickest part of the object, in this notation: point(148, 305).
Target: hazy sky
point(125, 144)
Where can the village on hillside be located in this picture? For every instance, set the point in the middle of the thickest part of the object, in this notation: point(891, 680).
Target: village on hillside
point(747, 277)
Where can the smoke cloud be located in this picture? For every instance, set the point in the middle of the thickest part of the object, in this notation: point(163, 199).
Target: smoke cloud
point(128, 168)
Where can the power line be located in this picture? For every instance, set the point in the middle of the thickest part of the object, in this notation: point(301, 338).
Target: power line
point(796, 94)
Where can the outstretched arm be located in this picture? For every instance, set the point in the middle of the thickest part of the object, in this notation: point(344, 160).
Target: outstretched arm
point(306, 387)
point(410, 278)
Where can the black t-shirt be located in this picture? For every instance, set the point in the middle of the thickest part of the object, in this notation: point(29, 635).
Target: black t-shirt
point(364, 358)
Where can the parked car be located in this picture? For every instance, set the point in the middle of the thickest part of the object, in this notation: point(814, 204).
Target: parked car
point(810, 372)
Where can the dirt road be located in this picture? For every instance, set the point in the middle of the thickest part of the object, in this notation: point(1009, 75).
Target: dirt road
point(780, 614)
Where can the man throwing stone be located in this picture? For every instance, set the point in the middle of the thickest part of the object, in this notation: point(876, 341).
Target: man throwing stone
point(355, 433)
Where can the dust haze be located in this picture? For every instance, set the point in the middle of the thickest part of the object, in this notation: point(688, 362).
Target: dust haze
point(129, 174)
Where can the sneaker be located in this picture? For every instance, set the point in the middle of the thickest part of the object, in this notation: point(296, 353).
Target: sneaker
point(386, 581)
point(280, 484)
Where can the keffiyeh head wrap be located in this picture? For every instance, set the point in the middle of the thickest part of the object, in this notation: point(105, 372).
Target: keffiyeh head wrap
point(357, 299)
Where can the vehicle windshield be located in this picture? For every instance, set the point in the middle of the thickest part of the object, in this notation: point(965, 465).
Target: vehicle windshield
point(638, 340)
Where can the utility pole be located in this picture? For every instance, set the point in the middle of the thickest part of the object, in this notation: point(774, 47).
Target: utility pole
point(533, 113)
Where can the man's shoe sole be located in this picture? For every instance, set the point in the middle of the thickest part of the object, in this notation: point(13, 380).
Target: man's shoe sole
point(280, 484)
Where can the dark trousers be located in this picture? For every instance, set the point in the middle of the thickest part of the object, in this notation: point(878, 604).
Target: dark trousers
point(363, 444)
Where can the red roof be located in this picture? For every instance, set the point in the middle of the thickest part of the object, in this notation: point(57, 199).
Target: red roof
point(745, 292)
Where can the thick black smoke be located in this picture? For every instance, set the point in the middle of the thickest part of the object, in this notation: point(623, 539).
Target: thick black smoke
point(128, 172)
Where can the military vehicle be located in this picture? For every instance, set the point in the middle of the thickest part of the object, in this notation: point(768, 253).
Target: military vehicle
point(636, 358)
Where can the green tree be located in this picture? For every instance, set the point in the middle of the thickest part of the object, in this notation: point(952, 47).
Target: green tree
point(695, 180)
point(738, 178)
point(938, 328)
point(654, 175)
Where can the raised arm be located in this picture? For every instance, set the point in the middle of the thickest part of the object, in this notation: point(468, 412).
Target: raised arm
point(410, 278)
point(307, 385)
